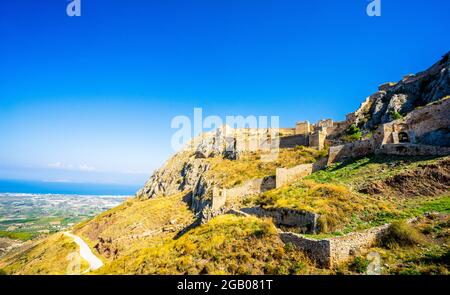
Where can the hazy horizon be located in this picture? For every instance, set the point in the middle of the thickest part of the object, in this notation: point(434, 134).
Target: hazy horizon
point(66, 188)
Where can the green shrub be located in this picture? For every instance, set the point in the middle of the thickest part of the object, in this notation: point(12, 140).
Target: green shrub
point(409, 272)
point(396, 115)
point(359, 265)
point(401, 234)
point(16, 235)
point(352, 133)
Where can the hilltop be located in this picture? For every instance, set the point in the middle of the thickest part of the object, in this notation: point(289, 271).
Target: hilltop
point(314, 198)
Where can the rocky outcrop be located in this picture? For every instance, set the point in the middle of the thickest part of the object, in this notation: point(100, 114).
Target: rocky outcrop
point(394, 99)
point(185, 171)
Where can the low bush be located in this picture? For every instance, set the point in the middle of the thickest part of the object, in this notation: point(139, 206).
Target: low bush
point(352, 133)
point(396, 115)
point(359, 265)
point(401, 234)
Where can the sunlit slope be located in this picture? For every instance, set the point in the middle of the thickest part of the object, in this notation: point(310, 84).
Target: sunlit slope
point(154, 236)
point(225, 245)
point(135, 224)
point(56, 254)
point(367, 192)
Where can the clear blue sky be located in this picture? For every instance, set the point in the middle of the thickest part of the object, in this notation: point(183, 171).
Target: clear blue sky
point(91, 98)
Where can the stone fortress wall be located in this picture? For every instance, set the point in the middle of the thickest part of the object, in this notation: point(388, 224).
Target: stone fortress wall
point(221, 197)
point(286, 175)
point(304, 221)
point(421, 133)
point(399, 137)
point(330, 252)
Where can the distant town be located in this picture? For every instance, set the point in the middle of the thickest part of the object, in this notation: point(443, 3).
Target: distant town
point(25, 216)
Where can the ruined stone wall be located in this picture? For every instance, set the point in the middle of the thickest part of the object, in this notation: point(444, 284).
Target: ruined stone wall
point(303, 128)
point(251, 187)
point(337, 128)
point(304, 221)
point(286, 175)
point(407, 149)
point(350, 150)
point(221, 197)
point(317, 139)
point(344, 248)
point(316, 250)
point(327, 123)
point(429, 119)
point(331, 252)
point(293, 141)
point(428, 125)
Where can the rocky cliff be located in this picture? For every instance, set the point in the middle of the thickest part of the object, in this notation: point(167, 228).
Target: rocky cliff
point(393, 100)
point(186, 170)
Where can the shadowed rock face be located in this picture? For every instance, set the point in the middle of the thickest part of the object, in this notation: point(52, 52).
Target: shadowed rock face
point(406, 95)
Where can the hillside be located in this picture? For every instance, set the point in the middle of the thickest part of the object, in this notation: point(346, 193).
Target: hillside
point(150, 236)
point(318, 207)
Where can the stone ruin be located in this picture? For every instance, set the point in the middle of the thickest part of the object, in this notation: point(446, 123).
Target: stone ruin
point(423, 131)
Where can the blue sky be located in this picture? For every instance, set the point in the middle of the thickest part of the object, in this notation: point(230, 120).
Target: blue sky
point(91, 98)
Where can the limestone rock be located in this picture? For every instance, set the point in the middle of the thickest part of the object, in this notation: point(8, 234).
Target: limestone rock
point(411, 92)
point(185, 171)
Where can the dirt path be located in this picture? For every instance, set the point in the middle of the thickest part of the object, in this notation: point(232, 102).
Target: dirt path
point(86, 253)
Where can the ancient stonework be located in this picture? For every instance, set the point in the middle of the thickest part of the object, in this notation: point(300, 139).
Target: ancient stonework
point(286, 175)
point(303, 221)
point(331, 252)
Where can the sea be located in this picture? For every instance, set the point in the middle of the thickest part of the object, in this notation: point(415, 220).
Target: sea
point(32, 208)
point(42, 187)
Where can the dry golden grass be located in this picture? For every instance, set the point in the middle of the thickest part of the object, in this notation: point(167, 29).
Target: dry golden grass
point(335, 203)
point(137, 222)
point(226, 245)
point(230, 173)
point(420, 248)
point(52, 256)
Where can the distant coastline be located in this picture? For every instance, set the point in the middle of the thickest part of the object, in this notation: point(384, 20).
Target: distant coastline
point(41, 187)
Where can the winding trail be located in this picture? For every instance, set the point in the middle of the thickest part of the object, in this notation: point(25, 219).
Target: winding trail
point(86, 253)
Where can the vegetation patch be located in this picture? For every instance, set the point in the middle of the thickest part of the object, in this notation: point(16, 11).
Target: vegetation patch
point(359, 265)
point(401, 234)
point(231, 173)
point(135, 222)
point(353, 133)
point(57, 254)
point(428, 179)
point(432, 257)
point(225, 245)
point(358, 173)
point(335, 203)
point(17, 235)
